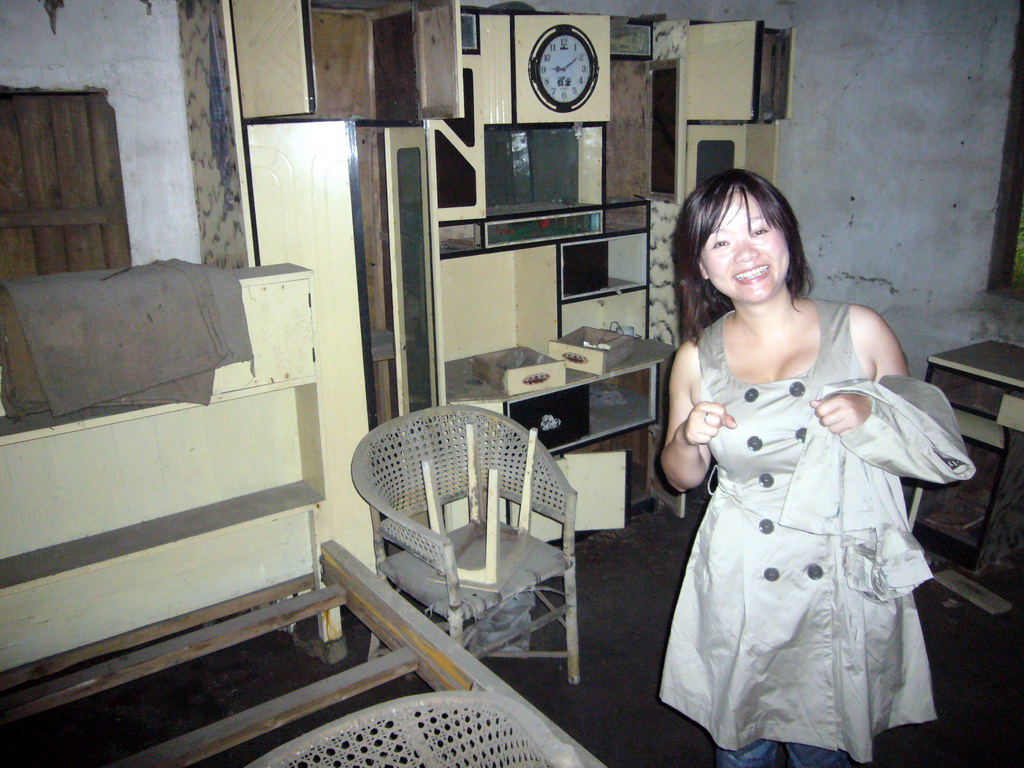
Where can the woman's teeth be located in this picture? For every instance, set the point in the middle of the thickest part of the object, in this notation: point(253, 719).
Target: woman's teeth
point(750, 274)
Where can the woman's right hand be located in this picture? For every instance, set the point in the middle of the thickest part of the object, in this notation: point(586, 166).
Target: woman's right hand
point(705, 421)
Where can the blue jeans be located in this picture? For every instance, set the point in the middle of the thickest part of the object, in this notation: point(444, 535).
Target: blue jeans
point(761, 754)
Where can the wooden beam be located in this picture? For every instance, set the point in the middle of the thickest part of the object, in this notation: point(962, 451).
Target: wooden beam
point(58, 217)
point(973, 591)
point(160, 656)
point(391, 619)
point(202, 743)
point(441, 659)
point(61, 661)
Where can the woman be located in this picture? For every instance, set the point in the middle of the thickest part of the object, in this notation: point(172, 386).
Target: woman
point(771, 643)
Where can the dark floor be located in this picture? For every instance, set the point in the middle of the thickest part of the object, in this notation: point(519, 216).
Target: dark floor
point(628, 583)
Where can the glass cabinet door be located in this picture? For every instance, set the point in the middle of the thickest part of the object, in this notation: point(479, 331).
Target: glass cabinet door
point(411, 283)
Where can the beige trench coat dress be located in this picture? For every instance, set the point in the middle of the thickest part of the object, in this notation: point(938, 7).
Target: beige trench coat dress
point(791, 624)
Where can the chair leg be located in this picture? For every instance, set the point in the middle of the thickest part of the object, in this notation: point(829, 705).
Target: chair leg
point(572, 635)
point(455, 626)
point(375, 647)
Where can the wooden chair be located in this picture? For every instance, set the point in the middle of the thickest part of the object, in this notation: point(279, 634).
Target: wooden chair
point(438, 463)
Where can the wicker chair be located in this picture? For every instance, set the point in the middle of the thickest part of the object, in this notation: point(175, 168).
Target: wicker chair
point(418, 465)
point(447, 729)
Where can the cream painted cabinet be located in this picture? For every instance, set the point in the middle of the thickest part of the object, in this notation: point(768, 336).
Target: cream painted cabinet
point(737, 71)
point(303, 210)
point(509, 218)
point(117, 522)
point(378, 61)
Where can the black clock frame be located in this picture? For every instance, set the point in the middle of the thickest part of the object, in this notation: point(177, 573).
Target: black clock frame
point(535, 61)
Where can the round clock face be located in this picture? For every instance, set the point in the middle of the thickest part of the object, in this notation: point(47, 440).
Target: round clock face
point(563, 68)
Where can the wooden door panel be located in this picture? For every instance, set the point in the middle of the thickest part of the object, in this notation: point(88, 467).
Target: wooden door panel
point(62, 203)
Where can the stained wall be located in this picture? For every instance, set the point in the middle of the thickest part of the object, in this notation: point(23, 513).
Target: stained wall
point(132, 51)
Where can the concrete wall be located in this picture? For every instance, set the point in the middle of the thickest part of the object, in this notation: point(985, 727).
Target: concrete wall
point(134, 55)
point(892, 156)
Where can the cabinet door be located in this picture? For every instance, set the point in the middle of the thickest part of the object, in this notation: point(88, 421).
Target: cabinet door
point(400, 62)
point(720, 61)
point(600, 480)
point(411, 288)
point(274, 67)
point(303, 210)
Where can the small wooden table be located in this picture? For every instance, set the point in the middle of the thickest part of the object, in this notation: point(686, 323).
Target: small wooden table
point(976, 522)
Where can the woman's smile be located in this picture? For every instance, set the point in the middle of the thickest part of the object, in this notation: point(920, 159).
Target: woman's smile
point(752, 274)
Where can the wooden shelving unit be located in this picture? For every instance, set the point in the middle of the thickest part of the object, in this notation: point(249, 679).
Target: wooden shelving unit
point(120, 521)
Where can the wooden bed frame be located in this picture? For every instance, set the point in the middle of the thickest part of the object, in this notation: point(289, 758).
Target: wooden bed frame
point(415, 643)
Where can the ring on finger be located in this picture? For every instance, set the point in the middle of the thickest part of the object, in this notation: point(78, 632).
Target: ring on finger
point(706, 414)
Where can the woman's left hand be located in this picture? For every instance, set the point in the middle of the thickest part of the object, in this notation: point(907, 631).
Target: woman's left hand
point(841, 413)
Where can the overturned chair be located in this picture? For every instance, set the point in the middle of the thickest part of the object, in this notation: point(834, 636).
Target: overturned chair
point(420, 473)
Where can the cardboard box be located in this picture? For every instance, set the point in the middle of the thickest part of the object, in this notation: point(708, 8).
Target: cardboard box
point(519, 369)
point(592, 350)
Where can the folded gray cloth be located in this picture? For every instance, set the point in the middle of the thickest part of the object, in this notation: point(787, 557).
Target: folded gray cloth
point(149, 334)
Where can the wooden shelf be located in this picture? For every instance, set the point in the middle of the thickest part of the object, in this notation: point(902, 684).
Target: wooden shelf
point(979, 428)
point(149, 534)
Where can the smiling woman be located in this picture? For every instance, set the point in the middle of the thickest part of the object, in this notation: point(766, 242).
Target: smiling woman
point(777, 637)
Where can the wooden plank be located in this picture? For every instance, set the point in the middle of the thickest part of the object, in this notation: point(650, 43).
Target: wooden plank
point(213, 739)
point(137, 537)
point(373, 197)
point(271, 57)
point(443, 664)
point(627, 173)
point(109, 185)
point(971, 590)
point(169, 653)
point(58, 217)
point(17, 247)
point(1011, 412)
point(389, 617)
point(54, 664)
point(38, 153)
point(73, 144)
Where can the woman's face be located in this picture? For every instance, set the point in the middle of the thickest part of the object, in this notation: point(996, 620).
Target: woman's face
point(746, 258)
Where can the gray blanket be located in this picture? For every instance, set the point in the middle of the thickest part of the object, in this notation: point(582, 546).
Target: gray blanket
point(149, 334)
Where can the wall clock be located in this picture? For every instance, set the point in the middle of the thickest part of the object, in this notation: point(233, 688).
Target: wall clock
point(563, 68)
point(577, 91)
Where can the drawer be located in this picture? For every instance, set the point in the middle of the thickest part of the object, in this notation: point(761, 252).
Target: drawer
point(561, 417)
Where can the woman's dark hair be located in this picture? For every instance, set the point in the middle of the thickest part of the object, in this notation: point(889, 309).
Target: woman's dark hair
point(700, 303)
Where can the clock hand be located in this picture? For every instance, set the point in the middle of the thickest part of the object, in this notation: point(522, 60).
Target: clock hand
point(568, 64)
point(577, 58)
